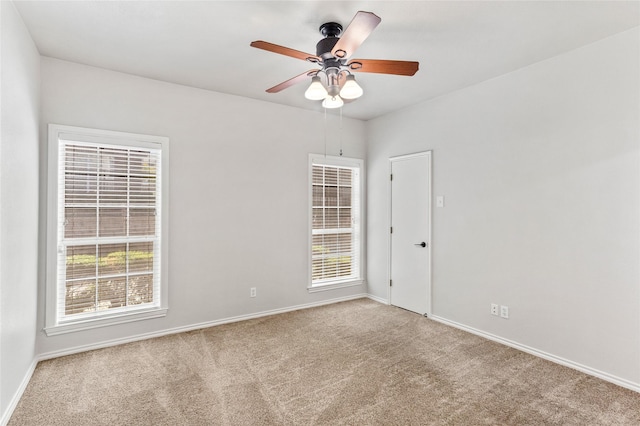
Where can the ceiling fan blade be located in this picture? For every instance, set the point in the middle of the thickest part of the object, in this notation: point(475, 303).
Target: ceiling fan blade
point(383, 66)
point(270, 47)
point(295, 80)
point(358, 30)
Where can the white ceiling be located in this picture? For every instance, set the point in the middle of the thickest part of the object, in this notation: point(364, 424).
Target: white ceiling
point(205, 44)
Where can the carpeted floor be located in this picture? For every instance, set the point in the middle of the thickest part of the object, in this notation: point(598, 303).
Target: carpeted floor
point(352, 363)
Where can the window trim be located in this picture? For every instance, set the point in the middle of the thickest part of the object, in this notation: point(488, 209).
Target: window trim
point(107, 137)
point(338, 162)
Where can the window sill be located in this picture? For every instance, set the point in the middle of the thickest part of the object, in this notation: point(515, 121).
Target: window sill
point(334, 285)
point(89, 324)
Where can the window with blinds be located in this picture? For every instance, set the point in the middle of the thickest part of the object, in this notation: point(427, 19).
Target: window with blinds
point(335, 221)
point(109, 217)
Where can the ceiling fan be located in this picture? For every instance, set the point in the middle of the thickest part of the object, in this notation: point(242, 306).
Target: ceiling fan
point(332, 54)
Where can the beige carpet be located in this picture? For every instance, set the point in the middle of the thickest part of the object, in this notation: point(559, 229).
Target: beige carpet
point(352, 363)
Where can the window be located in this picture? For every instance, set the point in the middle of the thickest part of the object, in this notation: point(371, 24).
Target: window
point(107, 228)
point(336, 242)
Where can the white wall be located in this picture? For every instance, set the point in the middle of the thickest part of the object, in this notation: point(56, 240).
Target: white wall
point(540, 170)
point(238, 191)
point(18, 204)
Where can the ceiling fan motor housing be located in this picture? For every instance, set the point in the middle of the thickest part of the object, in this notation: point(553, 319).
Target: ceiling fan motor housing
point(331, 32)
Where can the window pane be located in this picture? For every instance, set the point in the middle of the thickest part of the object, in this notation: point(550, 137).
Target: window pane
point(344, 243)
point(331, 218)
point(330, 175)
point(330, 243)
point(344, 218)
point(114, 161)
point(113, 259)
point(344, 176)
point(317, 196)
point(112, 189)
point(318, 175)
point(113, 222)
point(324, 245)
point(329, 266)
point(142, 222)
point(345, 196)
point(317, 247)
point(80, 296)
point(331, 196)
point(81, 160)
point(142, 163)
point(343, 266)
point(141, 257)
point(142, 190)
point(80, 188)
point(316, 269)
point(80, 222)
point(140, 289)
point(112, 293)
point(317, 219)
point(81, 262)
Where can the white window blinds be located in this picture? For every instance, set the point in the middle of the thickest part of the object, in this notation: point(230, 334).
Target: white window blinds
point(335, 235)
point(108, 229)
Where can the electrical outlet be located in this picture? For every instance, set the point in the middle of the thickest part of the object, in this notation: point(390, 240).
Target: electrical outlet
point(494, 309)
point(504, 311)
point(253, 292)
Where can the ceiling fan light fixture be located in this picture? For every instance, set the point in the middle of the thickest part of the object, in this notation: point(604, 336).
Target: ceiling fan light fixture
point(332, 102)
point(316, 90)
point(351, 89)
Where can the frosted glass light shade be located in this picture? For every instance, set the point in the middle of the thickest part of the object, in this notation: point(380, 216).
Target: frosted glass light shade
point(332, 102)
point(351, 89)
point(316, 90)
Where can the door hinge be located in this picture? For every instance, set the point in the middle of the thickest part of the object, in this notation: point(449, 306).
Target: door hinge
point(391, 230)
point(391, 176)
point(390, 283)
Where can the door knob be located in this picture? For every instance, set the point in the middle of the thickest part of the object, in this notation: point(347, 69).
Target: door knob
point(422, 244)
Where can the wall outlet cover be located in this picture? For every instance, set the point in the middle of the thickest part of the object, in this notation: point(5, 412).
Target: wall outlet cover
point(494, 309)
point(504, 311)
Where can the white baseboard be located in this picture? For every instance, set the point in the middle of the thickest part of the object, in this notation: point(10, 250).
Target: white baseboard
point(541, 354)
point(378, 299)
point(138, 337)
point(16, 396)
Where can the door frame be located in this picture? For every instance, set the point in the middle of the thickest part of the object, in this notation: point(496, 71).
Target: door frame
point(429, 155)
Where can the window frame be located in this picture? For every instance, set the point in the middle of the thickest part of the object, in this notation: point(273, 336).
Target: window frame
point(356, 163)
point(56, 133)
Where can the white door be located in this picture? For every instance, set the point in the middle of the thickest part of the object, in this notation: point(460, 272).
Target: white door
point(411, 232)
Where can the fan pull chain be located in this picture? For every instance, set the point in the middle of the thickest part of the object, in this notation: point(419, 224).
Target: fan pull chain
point(340, 131)
point(325, 132)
